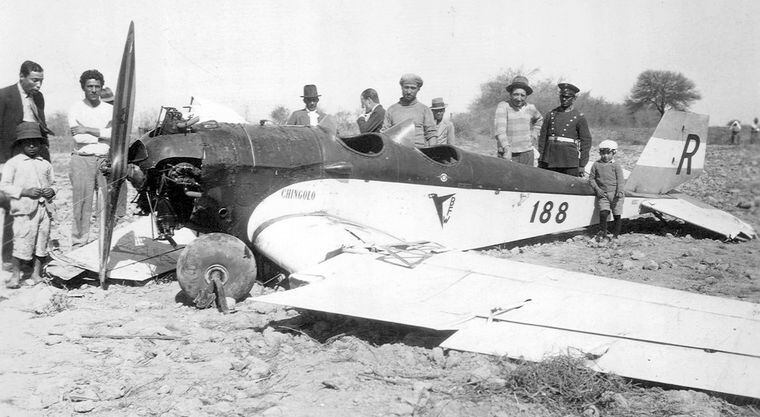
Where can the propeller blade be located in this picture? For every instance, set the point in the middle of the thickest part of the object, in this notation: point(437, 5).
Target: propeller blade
point(121, 126)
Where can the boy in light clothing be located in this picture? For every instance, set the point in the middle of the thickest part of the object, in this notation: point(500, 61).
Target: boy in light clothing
point(606, 177)
point(27, 179)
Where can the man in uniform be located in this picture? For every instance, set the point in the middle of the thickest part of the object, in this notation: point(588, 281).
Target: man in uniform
point(517, 123)
point(308, 116)
point(565, 140)
point(445, 129)
point(409, 108)
point(374, 113)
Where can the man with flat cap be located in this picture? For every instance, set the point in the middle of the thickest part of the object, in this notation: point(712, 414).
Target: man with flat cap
point(308, 116)
point(565, 140)
point(517, 123)
point(445, 129)
point(409, 108)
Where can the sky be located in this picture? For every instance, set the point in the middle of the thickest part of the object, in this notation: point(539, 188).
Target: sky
point(255, 55)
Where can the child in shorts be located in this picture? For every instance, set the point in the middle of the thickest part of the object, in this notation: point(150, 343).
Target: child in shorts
point(27, 179)
point(606, 177)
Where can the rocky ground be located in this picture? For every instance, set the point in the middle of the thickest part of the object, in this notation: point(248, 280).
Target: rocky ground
point(142, 351)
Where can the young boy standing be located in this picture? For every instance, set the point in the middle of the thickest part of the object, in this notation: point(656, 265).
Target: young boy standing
point(607, 178)
point(27, 179)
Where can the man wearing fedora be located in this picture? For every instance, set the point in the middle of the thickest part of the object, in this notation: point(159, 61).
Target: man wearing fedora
point(308, 116)
point(517, 123)
point(408, 108)
point(445, 132)
point(374, 113)
point(565, 139)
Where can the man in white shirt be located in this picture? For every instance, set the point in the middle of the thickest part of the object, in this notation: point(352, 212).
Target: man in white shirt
point(90, 123)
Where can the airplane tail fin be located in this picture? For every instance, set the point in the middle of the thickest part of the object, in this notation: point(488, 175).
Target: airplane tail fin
point(674, 154)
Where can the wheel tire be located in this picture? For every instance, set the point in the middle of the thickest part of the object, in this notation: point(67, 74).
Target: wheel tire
point(216, 253)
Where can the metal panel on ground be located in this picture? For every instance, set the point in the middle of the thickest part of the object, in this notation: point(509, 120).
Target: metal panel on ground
point(702, 215)
point(135, 255)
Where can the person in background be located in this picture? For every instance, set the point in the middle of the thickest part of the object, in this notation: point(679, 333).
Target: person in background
point(517, 124)
point(374, 113)
point(606, 177)
point(754, 132)
point(565, 140)
point(408, 108)
point(90, 124)
point(735, 127)
point(27, 179)
point(308, 116)
point(445, 129)
point(107, 96)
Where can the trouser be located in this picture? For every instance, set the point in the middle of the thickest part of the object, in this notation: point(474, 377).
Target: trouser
point(85, 176)
point(525, 158)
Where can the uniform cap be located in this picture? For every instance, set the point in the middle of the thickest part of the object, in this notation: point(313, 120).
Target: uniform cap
point(567, 87)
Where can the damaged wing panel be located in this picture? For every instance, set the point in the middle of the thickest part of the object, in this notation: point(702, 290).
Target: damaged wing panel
point(702, 215)
point(499, 306)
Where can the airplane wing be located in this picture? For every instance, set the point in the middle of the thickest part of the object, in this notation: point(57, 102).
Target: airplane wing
point(700, 214)
point(502, 307)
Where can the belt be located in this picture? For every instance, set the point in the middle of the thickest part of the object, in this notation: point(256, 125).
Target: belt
point(562, 139)
point(86, 154)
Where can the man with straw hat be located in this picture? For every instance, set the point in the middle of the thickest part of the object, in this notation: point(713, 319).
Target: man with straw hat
point(308, 116)
point(445, 128)
point(517, 123)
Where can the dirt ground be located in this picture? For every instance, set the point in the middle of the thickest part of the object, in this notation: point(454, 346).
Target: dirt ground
point(142, 351)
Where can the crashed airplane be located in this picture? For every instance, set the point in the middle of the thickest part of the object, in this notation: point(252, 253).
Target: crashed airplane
point(370, 226)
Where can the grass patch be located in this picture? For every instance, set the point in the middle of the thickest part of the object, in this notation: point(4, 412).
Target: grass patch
point(560, 383)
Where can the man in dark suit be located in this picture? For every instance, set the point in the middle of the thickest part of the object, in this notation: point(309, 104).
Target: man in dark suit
point(308, 116)
point(374, 113)
point(19, 102)
point(22, 102)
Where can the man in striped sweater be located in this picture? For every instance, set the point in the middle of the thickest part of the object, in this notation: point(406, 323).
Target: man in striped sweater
point(517, 123)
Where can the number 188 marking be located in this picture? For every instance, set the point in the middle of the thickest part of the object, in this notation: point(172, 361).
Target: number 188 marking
point(546, 214)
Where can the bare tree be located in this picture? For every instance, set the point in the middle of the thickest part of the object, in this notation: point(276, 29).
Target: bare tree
point(280, 115)
point(662, 90)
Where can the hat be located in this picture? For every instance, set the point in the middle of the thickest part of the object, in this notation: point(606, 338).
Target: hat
point(438, 104)
point(520, 82)
point(106, 95)
point(310, 91)
point(411, 78)
point(567, 87)
point(608, 144)
point(28, 130)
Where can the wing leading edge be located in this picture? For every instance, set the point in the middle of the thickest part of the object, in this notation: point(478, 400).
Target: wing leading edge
point(503, 307)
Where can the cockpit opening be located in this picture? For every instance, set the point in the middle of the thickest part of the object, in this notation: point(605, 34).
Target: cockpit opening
point(368, 143)
point(443, 154)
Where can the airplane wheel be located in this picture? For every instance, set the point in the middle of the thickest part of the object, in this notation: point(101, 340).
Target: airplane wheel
point(220, 257)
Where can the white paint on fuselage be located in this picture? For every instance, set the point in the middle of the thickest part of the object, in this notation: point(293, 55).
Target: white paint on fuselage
point(469, 218)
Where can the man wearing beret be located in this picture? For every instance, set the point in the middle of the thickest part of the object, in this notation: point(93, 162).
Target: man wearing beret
point(565, 140)
point(517, 123)
point(308, 116)
point(409, 108)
